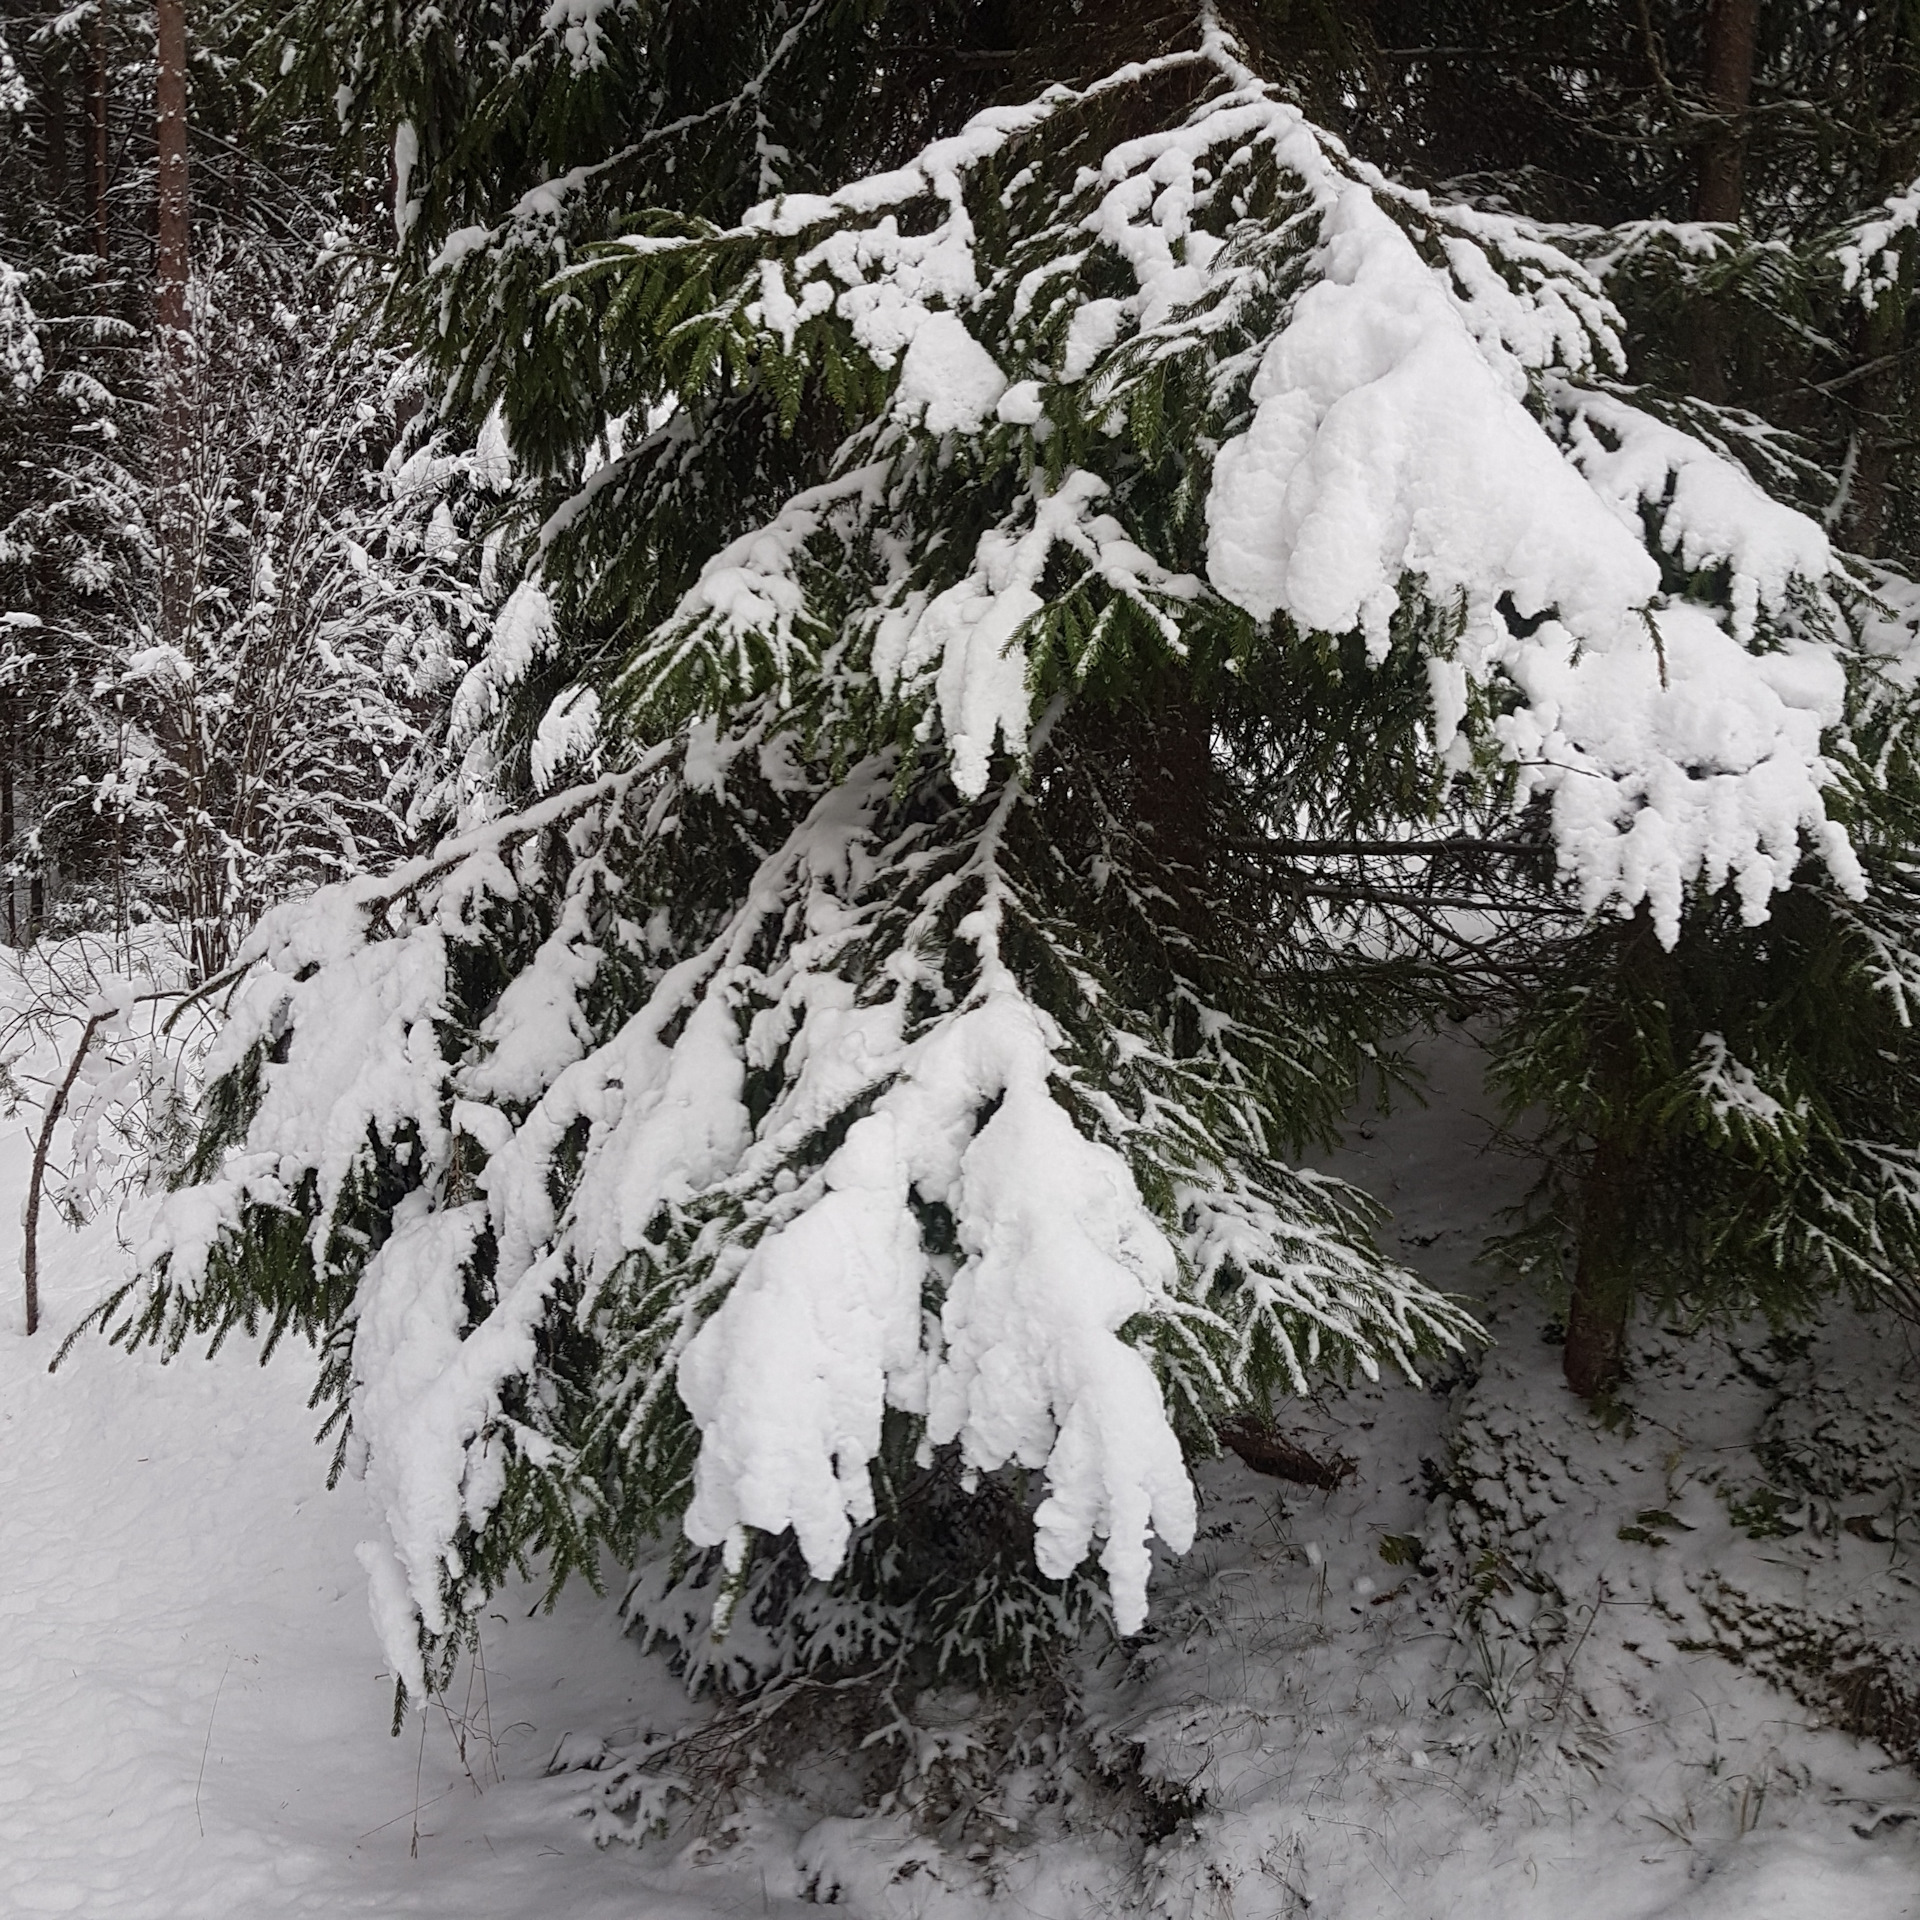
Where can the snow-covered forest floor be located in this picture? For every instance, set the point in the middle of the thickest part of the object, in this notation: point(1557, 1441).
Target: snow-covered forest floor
point(1478, 1679)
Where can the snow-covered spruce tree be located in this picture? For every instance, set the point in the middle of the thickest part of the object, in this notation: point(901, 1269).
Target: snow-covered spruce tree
point(1730, 1097)
point(1730, 1114)
point(836, 1156)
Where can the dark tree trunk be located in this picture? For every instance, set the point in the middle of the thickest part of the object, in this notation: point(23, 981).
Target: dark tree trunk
point(171, 264)
point(6, 835)
point(57, 159)
point(1602, 1302)
point(1171, 749)
point(1879, 399)
point(6, 840)
point(1173, 776)
point(97, 135)
point(31, 757)
point(1613, 1190)
point(1876, 405)
point(1727, 71)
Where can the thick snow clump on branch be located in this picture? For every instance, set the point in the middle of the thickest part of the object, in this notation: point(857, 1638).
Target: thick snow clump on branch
point(1402, 425)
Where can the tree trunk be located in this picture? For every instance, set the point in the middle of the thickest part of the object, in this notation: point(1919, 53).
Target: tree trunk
point(1640, 989)
point(1173, 776)
point(1727, 71)
point(1876, 408)
point(53, 105)
point(33, 765)
point(6, 837)
point(1171, 749)
point(1727, 65)
point(1879, 401)
point(97, 134)
point(1602, 1300)
point(171, 263)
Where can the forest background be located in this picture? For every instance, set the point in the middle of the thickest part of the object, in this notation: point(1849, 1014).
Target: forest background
point(706, 627)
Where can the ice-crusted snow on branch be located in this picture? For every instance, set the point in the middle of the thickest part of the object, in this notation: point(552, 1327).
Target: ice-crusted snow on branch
point(1708, 768)
point(1868, 250)
point(1028, 1367)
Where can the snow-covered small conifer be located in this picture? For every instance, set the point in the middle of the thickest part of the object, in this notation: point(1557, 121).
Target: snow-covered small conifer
point(841, 1152)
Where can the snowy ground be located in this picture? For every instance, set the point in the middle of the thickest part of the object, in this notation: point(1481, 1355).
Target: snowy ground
point(195, 1719)
point(195, 1716)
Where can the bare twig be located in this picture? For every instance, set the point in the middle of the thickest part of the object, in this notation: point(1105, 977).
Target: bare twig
point(57, 1106)
point(206, 1746)
point(36, 1180)
point(419, 1766)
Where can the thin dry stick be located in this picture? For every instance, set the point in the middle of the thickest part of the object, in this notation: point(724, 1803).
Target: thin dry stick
point(30, 1256)
point(419, 1765)
point(398, 1817)
point(43, 1145)
point(207, 1744)
point(486, 1703)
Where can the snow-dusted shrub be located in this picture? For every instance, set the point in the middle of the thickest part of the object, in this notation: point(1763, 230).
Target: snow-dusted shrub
point(1751, 1497)
point(289, 730)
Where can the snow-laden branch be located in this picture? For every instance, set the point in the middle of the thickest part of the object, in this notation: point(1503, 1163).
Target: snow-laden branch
point(1400, 441)
point(616, 1180)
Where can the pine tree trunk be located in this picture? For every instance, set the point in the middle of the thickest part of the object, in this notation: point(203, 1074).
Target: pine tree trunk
point(33, 766)
point(1172, 752)
point(179, 537)
point(55, 145)
point(170, 265)
point(6, 836)
point(1601, 1307)
point(1727, 70)
point(170, 309)
point(1602, 1302)
point(1174, 772)
point(1727, 65)
point(97, 134)
point(1877, 398)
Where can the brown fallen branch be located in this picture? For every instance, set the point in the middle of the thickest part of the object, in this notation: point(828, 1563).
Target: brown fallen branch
point(1265, 1451)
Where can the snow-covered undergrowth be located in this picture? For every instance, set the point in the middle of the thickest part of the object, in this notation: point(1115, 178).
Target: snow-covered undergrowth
point(1530, 1693)
point(1480, 1678)
point(106, 1034)
point(1521, 1661)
